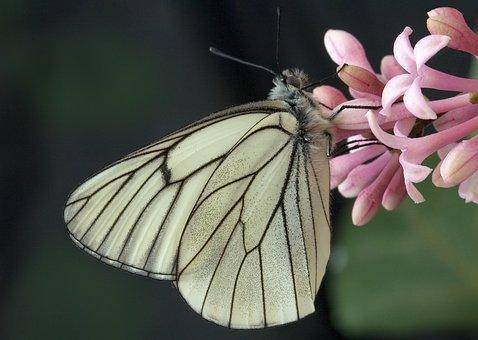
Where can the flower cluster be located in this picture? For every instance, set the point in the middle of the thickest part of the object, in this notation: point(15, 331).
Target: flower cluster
point(393, 127)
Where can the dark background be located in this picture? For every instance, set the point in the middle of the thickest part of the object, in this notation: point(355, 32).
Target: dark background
point(84, 82)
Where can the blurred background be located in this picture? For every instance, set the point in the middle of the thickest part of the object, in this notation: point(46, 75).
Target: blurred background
point(84, 82)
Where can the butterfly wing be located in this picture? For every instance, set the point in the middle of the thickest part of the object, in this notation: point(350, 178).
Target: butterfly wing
point(225, 208)
point(258, 258)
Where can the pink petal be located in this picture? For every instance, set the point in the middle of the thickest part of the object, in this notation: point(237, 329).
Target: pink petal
point(344, 48)
point(395, 192)
point(399, 111)
point(455, 117)
point(420, 148)
point(434, 79)
point(468, 190)
point(403, 51)
point(368, 201)
point(416, 103)
point(413, 192)
point(389, 67)
point(363, 175)
point(415, 173)
point(341, 166)
point(392, 141)
point(427, 47)
point(328, 95)
point(403, 127)
point(394, 89)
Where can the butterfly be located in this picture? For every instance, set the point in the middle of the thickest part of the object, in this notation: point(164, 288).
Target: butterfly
point(233, 209)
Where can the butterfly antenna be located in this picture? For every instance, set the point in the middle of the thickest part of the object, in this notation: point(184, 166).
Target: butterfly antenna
point(221, 54)
point(278, 40)
point(314, 84)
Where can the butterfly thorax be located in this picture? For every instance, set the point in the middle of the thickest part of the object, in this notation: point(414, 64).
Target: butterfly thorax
point(289, 88)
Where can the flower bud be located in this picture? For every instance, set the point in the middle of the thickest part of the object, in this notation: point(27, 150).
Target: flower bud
point(395, 192)
point(368, 201)
point(449, 21)
point(344, 48)
point(361, 80)
point(328, 95)
point(461, 162)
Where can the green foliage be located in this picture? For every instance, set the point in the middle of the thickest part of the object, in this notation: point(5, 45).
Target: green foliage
point(410, 270)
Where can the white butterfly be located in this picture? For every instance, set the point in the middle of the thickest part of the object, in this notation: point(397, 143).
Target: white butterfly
point(234, 209)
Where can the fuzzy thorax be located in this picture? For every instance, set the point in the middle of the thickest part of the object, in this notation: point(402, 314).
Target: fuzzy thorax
point(308, 113)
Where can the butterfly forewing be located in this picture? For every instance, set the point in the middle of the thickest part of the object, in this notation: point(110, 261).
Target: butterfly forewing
point(233, 208)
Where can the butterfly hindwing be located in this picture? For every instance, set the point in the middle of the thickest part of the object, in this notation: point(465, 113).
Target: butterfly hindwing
point(254, 262)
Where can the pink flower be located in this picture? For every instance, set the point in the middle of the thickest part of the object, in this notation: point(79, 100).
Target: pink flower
point(341, 166)
point(385, 151)
point(409, 84)
point(415, 150)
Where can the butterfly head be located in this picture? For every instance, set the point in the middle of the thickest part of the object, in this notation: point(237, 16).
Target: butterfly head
point(288, 85)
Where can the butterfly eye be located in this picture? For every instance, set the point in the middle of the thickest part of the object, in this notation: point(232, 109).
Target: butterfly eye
point(294, 81)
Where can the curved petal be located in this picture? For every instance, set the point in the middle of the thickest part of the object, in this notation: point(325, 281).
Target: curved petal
point(403, 51)
point(394, 89)
point(415, 173)
point(392, 141)
point(415, 102)
point(427, 47)
point(403, 127)
point(413, 192)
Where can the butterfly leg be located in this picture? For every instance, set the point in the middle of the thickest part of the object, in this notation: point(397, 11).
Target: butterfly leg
point(357, 107)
